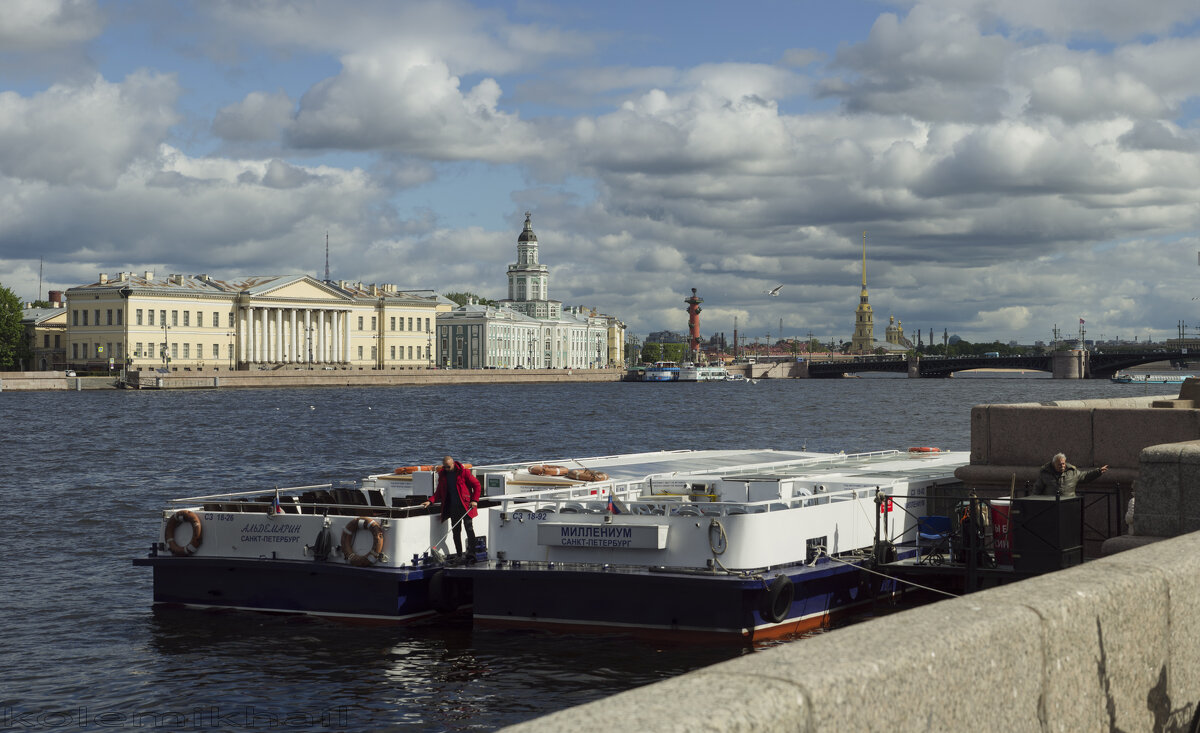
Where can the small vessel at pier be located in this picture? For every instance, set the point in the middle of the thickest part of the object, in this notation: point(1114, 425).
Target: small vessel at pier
point(661, 371)
point(741, 544)
point(689, 372)
point(1127, 378)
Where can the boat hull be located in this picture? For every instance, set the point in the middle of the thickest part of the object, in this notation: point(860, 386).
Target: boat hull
point(378, 594)
point(665, 603)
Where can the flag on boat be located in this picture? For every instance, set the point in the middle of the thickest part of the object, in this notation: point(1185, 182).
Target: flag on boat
point(615, 505)
point(275, 508)
point(1081, 321)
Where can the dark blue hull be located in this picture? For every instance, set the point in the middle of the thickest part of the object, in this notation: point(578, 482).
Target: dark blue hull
point(288, 586)
point(666, 602)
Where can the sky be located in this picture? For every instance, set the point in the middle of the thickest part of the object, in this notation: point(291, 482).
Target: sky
point(1016, 164)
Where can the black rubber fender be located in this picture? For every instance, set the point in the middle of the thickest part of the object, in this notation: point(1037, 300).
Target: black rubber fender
point(777, 599)
point(441, 593)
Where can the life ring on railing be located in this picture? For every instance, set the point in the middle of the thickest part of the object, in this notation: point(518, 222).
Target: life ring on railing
point(407, 470)
point(924, 449)
point(173, 523)
point(586, 474)
point(548, 470)
point(777, 599)
point(376, 550)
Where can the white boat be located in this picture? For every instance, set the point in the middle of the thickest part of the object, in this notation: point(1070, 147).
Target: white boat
point(753, 544)
point(689, 372)
point(661, 371)
point(736, 378)
point(1126, 378)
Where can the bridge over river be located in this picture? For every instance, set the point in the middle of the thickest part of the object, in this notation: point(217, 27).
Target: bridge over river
point(1062, 364)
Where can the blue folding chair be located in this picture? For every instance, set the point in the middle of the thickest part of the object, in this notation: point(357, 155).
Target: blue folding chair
point(935, 530)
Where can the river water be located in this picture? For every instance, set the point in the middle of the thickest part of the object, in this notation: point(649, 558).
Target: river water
point(88, 472)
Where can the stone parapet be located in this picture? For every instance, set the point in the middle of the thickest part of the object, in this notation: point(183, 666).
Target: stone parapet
point(1110, 645)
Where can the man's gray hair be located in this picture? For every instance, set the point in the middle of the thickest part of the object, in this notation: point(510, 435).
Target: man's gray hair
point(1059, 455)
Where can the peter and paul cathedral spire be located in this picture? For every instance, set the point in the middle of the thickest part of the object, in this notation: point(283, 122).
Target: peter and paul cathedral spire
point(863, 341)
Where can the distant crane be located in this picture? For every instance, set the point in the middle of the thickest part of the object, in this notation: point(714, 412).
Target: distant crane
point(773, 291)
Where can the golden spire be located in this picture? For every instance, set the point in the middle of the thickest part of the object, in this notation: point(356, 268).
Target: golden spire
point(864, 260)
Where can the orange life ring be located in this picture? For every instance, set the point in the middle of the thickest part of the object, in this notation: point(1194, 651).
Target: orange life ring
point(173, 523)
point(548, 470)
point(376, 550)
point(406, 470)
point(586, 474)
point(925, 449)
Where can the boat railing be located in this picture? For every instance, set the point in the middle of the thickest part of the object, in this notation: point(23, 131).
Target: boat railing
point(634, 501)
point(230, 495)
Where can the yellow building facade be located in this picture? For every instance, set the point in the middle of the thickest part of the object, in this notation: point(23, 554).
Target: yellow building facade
point(195, 322)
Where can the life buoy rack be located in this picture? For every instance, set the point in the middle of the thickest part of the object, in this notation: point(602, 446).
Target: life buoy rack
point(586, 474)
point(777, 599)
point(924, 449)
point(348, 534)
point(548, 470)
point(178, 518)
point(408, 470)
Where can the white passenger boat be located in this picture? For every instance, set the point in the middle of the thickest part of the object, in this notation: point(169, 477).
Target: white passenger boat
point(753, 544)
point(695, 373)
point(1127, 378)
point(661, 371)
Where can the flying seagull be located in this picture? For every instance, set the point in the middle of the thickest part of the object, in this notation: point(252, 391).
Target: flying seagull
point(773, 291)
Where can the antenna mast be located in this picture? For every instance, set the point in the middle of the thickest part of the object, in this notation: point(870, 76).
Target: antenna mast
point(326, 255)
point(39, 278)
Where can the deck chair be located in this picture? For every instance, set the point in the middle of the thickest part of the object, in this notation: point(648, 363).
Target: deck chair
point(936, 531)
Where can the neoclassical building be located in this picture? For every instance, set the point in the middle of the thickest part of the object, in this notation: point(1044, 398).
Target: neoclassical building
point(192, 322)
point(528, 330)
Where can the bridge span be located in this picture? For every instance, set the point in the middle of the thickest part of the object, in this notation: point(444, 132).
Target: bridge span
point(1073, 364)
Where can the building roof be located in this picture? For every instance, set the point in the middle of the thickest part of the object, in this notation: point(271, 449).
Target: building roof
point(527, 234)
point(254, 285)
point(41, 315)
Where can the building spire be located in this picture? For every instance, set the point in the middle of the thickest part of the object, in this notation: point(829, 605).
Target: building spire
point(864, 260)
point(327, 256)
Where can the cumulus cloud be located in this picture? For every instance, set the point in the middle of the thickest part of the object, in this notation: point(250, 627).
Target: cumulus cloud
point(258, 117)
point(39, 25)
point(87, 134)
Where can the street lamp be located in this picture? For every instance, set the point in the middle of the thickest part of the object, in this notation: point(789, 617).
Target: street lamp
point(308, 339)
point(230, 335)
point(166, 345)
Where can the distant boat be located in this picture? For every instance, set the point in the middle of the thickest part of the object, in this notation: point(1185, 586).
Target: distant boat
point(661, 371)
point(692, 373)
point(1122, 378)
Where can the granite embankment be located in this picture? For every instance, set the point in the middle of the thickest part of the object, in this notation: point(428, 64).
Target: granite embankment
point(20, 381)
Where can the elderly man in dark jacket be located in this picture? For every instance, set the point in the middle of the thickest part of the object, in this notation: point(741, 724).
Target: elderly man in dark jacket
point(1060, 477)
point(458, 491)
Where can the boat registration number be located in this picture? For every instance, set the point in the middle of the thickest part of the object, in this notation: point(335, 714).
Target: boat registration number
point(530, 516)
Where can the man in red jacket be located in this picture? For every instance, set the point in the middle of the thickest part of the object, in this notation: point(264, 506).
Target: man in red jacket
point(458, 491)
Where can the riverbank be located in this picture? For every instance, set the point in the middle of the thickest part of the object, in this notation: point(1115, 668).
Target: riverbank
point(58, 381)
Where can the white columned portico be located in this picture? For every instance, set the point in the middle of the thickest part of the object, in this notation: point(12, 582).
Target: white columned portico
point(242, 335)
point(320, 314)
point(248, 335)
point(262, 336)
point(294, 340)
point(278, 335)
point(333, 336)
point(346, 333)
point(308, 334)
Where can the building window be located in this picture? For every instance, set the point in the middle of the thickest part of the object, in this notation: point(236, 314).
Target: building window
point(392, 324)
point(139, 316)
point(57, 340)
point(137, 349)
point(199, 319)
point(360, 323)
point(162, 317)
point(97, 321)
point(393, 357)
point(99, 351)
point(115, 349)
point(74, 318)
point(85, 317)
point(150, 317)
point(46, 341)
point(410, 324)
point(216, 351)
point(187, 318)
point(174, 351)
point(187, 351)
point(360, 349)
point(374, 353)
point(120, 318)
point(418, 352)
point(410, 353)
point(74, 351)
point(199, 351)
point(174, 318)
point(231, 319)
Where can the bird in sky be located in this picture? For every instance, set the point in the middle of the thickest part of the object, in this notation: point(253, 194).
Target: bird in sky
point(773, 291)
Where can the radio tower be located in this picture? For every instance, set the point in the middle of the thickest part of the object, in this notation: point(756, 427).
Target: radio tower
point(694, 325)
point(326, 255)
